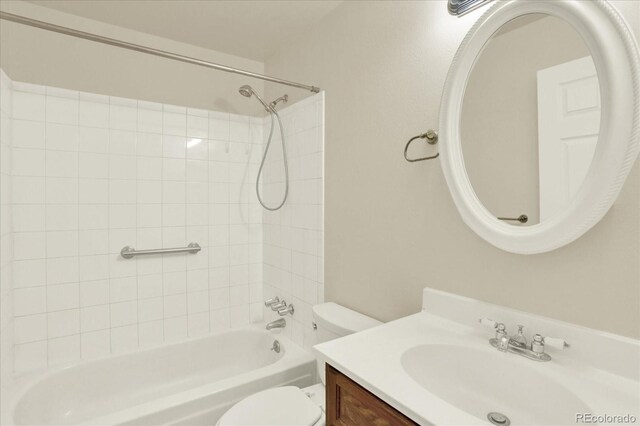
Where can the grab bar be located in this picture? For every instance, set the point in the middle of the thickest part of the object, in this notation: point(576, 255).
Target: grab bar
point(128, 252)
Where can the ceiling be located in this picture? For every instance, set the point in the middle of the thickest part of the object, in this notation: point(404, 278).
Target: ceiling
point(251, 29)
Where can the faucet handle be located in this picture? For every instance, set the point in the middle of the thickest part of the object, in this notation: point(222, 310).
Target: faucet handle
point(272, 301)
point(286, 310)
point(277, 306)
point(555, 342)
point(540, 342)
point(488, 322)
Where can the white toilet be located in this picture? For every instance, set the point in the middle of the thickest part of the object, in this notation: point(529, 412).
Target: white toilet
point(290, 405)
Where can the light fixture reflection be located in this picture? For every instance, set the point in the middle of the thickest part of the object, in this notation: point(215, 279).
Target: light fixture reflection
point(193, 142)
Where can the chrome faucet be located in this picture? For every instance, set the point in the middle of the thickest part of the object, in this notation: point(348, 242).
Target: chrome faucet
point(518, 344)
point(279, 323)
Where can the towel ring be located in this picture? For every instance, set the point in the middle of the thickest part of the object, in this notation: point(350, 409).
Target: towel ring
point(432, 138)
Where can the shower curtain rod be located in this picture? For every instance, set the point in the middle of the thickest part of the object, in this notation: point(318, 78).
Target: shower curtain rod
point(149, 50)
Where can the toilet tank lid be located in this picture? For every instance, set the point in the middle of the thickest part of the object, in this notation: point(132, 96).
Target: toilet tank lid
point(341, 320)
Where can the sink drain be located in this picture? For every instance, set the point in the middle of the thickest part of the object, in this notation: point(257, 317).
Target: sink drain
point(498, 419)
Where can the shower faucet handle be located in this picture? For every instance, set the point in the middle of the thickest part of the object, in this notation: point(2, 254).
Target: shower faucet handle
point(287, 310)
point(278, 306)
point(270, 302)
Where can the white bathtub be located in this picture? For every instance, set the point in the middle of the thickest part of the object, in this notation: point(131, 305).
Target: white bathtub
point(188, 383)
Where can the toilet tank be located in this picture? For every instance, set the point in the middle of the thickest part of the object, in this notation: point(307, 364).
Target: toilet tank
point(334, 321)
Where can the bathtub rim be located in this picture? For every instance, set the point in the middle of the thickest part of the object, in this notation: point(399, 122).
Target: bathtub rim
point(17, 385)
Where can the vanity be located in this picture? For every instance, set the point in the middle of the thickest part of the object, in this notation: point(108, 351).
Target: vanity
point(348, 403)
point(438, 367)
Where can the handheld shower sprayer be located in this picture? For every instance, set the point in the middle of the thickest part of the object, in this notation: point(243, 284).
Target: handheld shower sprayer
point(247, 91)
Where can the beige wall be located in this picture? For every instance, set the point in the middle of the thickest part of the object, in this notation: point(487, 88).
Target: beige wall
point(391, 226)
point(43, 57)
point(500, 109)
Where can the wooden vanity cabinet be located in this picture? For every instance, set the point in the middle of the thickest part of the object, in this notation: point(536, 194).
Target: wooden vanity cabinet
point(349, 404)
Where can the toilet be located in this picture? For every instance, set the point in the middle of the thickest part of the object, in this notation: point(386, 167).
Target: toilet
point(290, 405)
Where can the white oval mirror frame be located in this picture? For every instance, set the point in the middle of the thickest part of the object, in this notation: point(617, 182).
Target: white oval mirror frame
point(615, 54)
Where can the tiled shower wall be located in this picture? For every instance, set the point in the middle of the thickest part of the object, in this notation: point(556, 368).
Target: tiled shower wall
point(86, 175)
point(294, 235)
point(6, 237)
point(92, 174)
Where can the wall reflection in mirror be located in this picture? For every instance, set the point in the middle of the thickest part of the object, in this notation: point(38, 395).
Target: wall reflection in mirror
point(530, 118)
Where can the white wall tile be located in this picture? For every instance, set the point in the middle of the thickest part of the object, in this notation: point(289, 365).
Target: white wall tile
point(93, 216)
point(175, 329)
point(123, 313)
point(174, 146)
point(150, 120)
point(122, 117)
point(93, 114)
point(62, 164)
point(30, 328)
point(61, 217)
point(63, 297)
point(61, 190)
point(94, 293)
point(123, 289)
point(93, 165)
point(28, 134)
point(63, 323)
point(174, 123)
point(62, 270)
point(151, 334)
point(122, 142)
point(64, 350)
point(62, 137)
point(96, 344)
point(30, 356)
point(94, 318)
point(28, 190)
point(29, 301)
point(29, 245)
point(28, 217)
point(149, 144)
point(28, 106)
point(29, 273)
point(62, 110)
point(28, 162)
point(124, 339)
point(91, 268)
point(62, 243)
point(150, 309)
point(94, 140)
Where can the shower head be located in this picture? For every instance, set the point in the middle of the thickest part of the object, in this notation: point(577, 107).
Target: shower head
point(246, 91)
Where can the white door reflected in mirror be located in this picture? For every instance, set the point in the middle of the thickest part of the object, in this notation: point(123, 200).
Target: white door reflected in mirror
point(568, 128)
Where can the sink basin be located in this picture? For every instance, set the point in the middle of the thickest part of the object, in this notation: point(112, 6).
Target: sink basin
point(480, 382)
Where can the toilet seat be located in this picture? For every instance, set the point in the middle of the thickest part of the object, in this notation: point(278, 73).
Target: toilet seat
point(283, 406)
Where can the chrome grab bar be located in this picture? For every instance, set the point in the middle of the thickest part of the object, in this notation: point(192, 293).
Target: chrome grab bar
point(128, 252)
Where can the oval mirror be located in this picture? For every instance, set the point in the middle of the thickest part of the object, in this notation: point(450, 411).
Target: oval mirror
point(530, 119)
point(540, 121)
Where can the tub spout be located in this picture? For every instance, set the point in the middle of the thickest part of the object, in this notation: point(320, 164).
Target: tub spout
point(279, 323)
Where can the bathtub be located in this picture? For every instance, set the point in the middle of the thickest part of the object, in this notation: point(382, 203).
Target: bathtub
point(188, 383)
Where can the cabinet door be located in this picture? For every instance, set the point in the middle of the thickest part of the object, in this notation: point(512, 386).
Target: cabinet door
point(349, 404)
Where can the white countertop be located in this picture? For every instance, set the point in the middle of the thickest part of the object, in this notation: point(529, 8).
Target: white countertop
point(373, 359)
